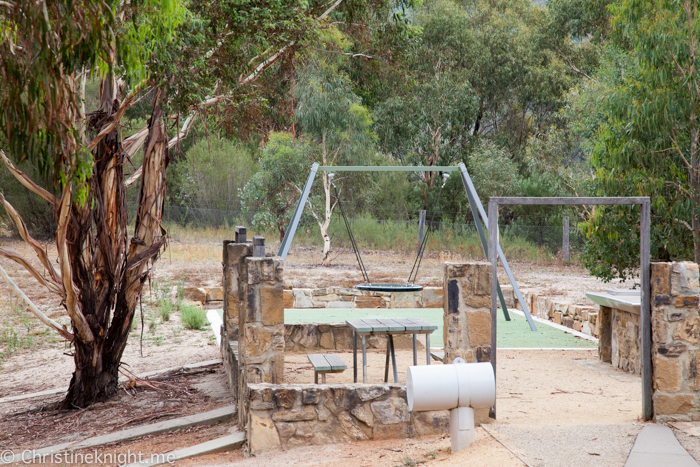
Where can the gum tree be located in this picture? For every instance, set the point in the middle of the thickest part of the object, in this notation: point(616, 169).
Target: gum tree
point(647, 142)
point(46, 53)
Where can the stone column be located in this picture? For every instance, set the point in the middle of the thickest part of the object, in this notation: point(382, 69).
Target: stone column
point(605, 334)
point(467, 315)
point(234, 267)
point(261, 325)
point(675, 325)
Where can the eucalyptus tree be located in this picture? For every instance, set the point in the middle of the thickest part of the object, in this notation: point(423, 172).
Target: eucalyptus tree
point(144, 50)
point(338, 127)
point(647, 143)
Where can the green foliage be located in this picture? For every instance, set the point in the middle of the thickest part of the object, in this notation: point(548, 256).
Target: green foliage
point(43, 49)
point(212, 174)
point(273, 190)
point(180, 292)
point(192, 317)
point(162, 291)
point(647, 142)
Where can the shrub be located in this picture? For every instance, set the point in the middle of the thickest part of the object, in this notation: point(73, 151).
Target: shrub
point(192, 317)
point(164, 309)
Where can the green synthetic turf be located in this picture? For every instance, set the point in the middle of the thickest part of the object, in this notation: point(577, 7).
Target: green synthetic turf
point(513, 333)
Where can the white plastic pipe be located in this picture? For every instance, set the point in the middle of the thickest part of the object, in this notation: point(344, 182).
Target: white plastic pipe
point(445, 387)
point(459, 388)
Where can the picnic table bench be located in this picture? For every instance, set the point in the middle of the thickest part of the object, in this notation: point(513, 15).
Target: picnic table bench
point(326, 363)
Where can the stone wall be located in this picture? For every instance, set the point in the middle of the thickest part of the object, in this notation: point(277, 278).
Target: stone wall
point(342, 297)
point(306, 337)
point(675, 325)
point(467, 315)
point(283, 417)
point(619, 342)
point(577, 317)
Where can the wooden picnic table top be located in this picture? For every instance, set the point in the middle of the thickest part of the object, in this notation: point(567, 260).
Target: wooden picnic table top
point(391, 325)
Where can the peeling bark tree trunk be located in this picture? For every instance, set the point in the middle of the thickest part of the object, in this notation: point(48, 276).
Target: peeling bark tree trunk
point(328, 209)
point(108, 278)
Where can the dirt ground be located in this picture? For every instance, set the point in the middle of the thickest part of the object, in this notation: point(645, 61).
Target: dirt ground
point(545, 398)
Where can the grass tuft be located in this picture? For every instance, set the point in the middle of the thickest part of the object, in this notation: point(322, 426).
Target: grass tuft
point(192, 317)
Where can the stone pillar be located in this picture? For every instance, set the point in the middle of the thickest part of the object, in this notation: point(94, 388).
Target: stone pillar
point(234, 267)
point(467, 315)
point(261, 325)
point(605, 334)
point(675, 325)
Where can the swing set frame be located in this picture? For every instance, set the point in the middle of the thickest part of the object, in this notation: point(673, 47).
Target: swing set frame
point(477, 209)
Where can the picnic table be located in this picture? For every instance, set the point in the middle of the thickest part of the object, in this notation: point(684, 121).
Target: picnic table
point(389, 327)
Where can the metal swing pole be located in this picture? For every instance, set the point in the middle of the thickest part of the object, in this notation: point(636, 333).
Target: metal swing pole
point(294, 223)
point(478, 211)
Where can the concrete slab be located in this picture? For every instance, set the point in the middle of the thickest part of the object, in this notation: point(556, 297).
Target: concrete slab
point(656, 445)
point(226, 443)
point(50, 392)
point(215, 322)
point(205, 418)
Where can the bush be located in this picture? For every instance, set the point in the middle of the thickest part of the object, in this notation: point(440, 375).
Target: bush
point(165, 307)
point(192, 317)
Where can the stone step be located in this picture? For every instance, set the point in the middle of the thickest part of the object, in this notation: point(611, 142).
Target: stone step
point(225, 443)
point(205, 418)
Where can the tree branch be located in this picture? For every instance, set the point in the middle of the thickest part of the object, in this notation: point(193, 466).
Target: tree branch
point(79, 321)
point(116, 118)
point(216, 99)
point(44, 319)
point(24, 233)
point(25, 180)
point(25, 264)
point(573, 67)
point(347, 54)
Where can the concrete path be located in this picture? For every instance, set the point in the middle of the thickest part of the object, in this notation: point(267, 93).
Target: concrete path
point(656, 445)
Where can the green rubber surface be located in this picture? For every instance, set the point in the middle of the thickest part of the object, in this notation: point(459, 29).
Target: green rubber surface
point(513, 333)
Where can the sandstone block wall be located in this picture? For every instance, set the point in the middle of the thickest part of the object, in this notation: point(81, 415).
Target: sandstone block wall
point(343, 297)
point(312, 337)
point(675, 327)
point(467, 315)
point(619, 339)
point(283, 417)
point(577, 317)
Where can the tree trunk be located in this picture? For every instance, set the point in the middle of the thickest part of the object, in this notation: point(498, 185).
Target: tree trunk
point(328, 211)
point(109, 278)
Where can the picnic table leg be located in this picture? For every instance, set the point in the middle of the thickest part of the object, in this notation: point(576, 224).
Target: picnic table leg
point(393, 358)
point(415, 349)
point(354, 356)
point(364, 359)
point(323, 378)
point(315, 377)
point(386, 363)
point(427, 348)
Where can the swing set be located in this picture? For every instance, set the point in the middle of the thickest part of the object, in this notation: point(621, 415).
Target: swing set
point(477, 209)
